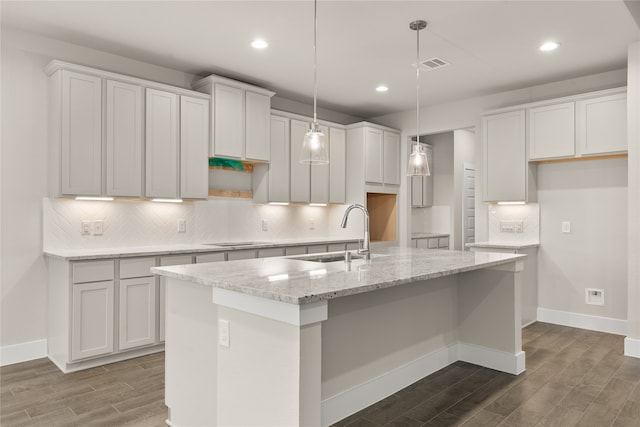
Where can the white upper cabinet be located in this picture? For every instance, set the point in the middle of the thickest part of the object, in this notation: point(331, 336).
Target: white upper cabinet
point(240, 118)
point(162, 144)
point(391, 158)
point(194, 147)
point(320, 176)
point(123, 133)
point(97, 123)
point(505, 162)
point(228, 122)
point(337, 165)
point(601, 124)
point(373, 152)
point(300, 172)
point(271, 181)
point(76, 132)
point(551, 131)
point(257, 126)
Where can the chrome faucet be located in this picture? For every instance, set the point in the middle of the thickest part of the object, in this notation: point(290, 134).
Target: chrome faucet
point(365, 250)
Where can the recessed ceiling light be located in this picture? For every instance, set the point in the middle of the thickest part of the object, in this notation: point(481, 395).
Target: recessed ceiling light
point(382, 88)
point(259, 44)
point(548, 46)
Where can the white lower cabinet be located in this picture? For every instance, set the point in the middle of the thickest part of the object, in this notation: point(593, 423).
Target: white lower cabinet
point(137, 312)
point(431, 242)
point(92, 319)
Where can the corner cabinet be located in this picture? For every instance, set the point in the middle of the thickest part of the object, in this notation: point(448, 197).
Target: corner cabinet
point(507, 175)
point(96, 125)
point(240, 118)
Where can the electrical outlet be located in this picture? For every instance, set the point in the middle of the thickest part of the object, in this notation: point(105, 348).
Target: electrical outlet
point(566, 226)
point(224, 338)
point(265, 225)
point(182, 226)
point(518, 226)
point(85, 227)
point(594, 296)
point(312, 224)
point(98, 227)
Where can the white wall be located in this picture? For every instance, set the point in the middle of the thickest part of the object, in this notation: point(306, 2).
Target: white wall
point(592, 195)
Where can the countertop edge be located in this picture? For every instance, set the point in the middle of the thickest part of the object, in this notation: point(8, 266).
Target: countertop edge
point(502, 245)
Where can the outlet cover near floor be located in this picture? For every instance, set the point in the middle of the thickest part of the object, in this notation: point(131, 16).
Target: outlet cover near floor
point(594, 296)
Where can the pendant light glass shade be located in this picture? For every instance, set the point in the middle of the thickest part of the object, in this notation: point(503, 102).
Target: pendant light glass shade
point(315, 149)
point(418, 164)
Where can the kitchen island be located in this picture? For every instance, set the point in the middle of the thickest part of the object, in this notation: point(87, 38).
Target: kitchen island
point(293, 341)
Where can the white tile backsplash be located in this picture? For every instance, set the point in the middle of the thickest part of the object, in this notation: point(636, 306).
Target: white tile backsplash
point(140, 223)
point(529, 214)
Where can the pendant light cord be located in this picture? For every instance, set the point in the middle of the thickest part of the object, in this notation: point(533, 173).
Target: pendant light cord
point(315, 59)
point(418, 88)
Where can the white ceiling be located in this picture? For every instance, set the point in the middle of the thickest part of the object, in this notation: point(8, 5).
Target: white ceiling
point(491, 45)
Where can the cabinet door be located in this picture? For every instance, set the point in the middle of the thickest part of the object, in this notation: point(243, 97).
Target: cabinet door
point(422, 243)
point(320, 177)
point(257, 124)
point(137, 312)
point(194, 148)
point(373, 169)
point(601, 124)
point(123, 134)
point(81, 144)
point(228, 122)
point(391, 158)
point(427, 181)
point(300, 172)
point(92, 319)
point(337, 166)
point(241, 254)
point(417, 191)
point(551, 131)
point(162, 148)
point(279, 165)
point(504, 157)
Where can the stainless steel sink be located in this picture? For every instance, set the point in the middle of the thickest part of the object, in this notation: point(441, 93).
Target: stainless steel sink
point(230, 244)
point(325, 257)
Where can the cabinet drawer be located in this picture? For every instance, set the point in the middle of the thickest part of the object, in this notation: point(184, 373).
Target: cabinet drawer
point(432, 243)
point(216, 257)
point(270, 252)
point(352, 246)
point(176, 260)
point(295, 250)
point(316, 249)
point(136, 267)
point(92, 271)
point(443, 242)
point(244, 254)
point(335, 247)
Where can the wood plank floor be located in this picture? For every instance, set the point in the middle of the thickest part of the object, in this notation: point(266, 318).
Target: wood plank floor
point(574, 378)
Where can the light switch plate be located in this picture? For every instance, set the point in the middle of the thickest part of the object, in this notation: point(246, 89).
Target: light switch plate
point(566, 226)
point(85, 227)
point(182, 226)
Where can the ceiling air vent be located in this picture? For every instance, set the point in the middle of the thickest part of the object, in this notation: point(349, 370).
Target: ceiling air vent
point(432, 64)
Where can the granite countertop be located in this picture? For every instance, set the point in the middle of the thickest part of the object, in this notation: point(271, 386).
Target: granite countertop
point(177, 249)
point(297, 281)
point(428, 235)
point(502, 245)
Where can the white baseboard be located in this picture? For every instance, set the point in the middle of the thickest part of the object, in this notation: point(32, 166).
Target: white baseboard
point(353, 400)
point(493, 359)
point(631, 347)
point(23, 352)
point(583, 321)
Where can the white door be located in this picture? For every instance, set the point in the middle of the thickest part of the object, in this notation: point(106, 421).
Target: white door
point(194, 148)
point(81, 149)
point(468, 205)
point(92, 319)
point(137, 312)
point(123, 133)
point(162, 148)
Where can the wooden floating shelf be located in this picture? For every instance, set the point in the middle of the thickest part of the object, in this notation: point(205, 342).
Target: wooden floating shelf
point(231, 193)
point(580, 159)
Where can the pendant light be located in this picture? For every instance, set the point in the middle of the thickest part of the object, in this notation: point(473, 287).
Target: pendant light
point(315, 150)
point(418, 163)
